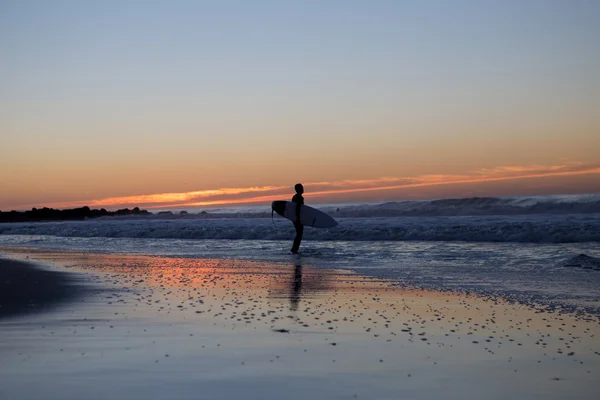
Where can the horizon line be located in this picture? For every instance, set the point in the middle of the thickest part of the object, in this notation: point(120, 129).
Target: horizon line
point(237, 196)
point(323, 203)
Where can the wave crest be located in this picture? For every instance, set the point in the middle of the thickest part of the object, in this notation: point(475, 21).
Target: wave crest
point(529, 229)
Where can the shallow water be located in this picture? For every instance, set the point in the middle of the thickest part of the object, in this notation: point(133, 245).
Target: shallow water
point(521, 271)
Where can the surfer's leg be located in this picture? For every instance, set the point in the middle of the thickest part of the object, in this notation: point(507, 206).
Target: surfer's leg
point(298, 238)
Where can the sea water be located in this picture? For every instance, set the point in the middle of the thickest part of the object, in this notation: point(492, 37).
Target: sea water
point(543, 249)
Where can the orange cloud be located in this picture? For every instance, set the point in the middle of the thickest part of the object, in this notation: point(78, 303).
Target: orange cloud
point(172, 198)
point(165, 198)
point(480, 176)
point(231, 196)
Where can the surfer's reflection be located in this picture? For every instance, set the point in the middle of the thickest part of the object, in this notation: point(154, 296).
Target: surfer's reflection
point(298, 283)
point(296, 288)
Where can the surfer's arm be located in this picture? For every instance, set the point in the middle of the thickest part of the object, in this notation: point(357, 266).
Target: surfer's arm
point(299, 200)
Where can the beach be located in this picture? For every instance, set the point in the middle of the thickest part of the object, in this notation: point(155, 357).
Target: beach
point(153, 327)
point(26, 288)
point(299, 200)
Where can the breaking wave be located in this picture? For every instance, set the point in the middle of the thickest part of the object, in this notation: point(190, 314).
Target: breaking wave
point(524, 229)
point(549, 205)
point(584, 261)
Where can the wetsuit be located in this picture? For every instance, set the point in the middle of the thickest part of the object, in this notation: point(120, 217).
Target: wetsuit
point(299, 200)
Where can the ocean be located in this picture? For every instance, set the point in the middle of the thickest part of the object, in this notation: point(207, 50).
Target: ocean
point(536, 250)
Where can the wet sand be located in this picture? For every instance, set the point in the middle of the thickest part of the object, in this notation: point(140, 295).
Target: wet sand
point(153, 328)
point(27, 288)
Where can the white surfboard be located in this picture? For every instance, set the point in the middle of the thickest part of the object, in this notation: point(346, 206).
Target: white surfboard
point(308, 216)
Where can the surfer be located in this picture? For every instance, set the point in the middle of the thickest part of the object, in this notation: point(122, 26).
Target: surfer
point(299, 200)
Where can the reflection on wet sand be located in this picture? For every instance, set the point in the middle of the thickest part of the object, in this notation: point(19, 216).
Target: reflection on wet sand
point(301, 282)
point(296, 288)
point(331, 323)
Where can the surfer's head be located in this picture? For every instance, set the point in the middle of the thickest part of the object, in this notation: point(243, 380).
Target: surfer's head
point(299, 188)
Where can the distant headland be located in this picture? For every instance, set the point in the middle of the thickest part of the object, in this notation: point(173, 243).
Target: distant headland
point(73, 214)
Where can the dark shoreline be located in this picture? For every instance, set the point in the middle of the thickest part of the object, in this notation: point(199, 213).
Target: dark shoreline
point(73, 214)
point(26, 288)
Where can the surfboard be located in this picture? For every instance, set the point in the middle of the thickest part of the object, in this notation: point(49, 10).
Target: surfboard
point(308, 216)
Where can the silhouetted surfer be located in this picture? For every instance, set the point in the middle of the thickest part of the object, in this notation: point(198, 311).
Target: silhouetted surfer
point(299, 200)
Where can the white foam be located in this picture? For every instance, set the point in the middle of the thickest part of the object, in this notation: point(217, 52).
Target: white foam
point(524, 229)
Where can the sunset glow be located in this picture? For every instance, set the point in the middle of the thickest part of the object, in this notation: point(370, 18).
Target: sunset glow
point(325, 191)
point(234, 104)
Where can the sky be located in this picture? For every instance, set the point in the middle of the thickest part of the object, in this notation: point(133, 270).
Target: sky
point(198, 103)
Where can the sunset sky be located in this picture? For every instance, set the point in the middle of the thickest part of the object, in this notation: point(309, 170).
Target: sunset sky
point(176, 103)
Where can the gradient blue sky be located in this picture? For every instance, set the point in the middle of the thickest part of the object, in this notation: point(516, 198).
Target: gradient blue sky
point(126, 98)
